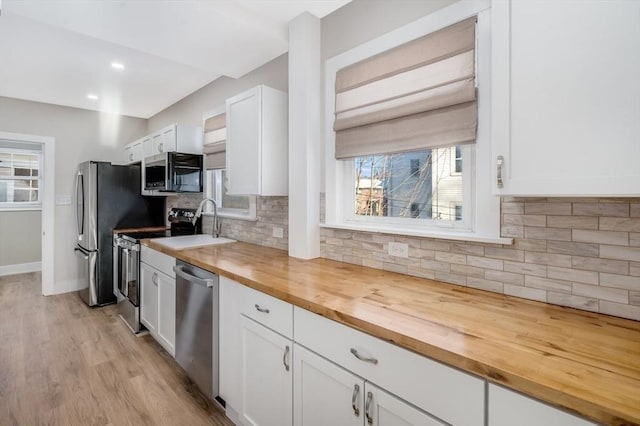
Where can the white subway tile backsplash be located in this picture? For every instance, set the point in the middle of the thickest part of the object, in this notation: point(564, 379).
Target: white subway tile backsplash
point(621, 253)
point(547, 284)
point(575, 275)
point(600, 237)
point(578, 252)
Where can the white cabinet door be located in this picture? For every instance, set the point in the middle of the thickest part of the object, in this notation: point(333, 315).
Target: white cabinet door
point(267, 382)
point(230, 343)
point(147, 146)
point(384, 409)
point(507, 408)
point(257, 143)
point(243, 142)
point(566, 97)
point(149, 297)
point(168, 140)
point(133, 152)
point(157, 144)
point(325, 394)
point(166, 330)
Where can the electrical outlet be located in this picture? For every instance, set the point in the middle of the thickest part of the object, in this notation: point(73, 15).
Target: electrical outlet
point(398, 249)
point(278, 232)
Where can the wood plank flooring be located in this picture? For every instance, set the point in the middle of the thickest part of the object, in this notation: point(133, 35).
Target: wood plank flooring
point(63, 363)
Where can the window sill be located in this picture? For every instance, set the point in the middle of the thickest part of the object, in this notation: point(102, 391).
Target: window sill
point(449, 235)
point(20, 209)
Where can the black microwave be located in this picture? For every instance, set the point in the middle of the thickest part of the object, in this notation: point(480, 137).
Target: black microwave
point(173, 172)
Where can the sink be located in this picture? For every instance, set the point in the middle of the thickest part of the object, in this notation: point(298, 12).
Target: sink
point(188, 241)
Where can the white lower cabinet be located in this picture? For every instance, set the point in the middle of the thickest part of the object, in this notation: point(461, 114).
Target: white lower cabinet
point(282, 365)
point(158, 297)
point(508, 408)
point(267, 376)
point(326, 394)
point(148, 298)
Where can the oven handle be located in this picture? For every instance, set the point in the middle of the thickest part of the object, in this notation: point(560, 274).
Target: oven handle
point(178, 269)
point(124, 275)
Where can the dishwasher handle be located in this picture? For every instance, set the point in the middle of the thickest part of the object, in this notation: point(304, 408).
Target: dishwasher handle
point(178, 269)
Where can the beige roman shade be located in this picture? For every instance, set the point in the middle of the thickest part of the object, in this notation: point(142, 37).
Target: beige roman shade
point(418, 95)
point(215, 141)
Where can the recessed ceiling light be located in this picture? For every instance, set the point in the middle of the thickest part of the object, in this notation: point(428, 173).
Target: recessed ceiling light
point(92, 97)
point(117, 65)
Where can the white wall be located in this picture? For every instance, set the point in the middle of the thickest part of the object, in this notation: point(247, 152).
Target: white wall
point(80, 135)
point(189, 110)
point(21, 237)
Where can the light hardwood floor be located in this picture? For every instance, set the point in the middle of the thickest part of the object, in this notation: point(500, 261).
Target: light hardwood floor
point(63, 363)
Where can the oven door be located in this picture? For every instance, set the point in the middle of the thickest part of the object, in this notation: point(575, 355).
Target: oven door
point(129, 273)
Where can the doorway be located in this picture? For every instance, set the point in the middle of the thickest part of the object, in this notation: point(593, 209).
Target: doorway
point(47, 197)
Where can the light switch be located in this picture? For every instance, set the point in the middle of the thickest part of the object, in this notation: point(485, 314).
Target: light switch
point(63, 200)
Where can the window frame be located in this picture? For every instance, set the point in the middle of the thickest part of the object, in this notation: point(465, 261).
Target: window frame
point(483, 208)
point(213, 190)
point(28, 205)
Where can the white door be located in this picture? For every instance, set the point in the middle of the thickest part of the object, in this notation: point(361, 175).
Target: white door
point(267, 382)
point(384, 409)
point(149, 297)
point(325, 394)
point(243, 143)
point(167, 312)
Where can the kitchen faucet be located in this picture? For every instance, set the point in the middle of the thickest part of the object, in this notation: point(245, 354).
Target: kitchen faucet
point(217, 225)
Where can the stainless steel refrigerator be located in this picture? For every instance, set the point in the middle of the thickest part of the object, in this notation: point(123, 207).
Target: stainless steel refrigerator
point(107, 197)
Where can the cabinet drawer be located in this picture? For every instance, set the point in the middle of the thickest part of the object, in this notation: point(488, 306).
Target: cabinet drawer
point(433, 387)
point(267, 310)
point(160, 261)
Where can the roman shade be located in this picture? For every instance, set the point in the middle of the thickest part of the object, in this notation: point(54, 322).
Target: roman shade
point(419, 95)
point(215, 141)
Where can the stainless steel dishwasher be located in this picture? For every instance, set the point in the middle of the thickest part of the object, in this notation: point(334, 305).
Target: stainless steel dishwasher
point(197, 297)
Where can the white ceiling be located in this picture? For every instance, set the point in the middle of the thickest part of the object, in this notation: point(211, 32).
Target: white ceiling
point(59, 51)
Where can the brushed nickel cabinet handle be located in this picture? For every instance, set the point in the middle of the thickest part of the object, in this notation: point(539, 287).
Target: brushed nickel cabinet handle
point(130, 157)
point(285, 358)
point(499, 165)
point(260, 309)
point(362, 358)
point(367, 408)
point(160, 146)
point(154, 278)
point(354, 399)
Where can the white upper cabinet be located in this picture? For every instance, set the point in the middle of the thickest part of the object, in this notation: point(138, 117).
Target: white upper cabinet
point(257, 143)
point(174, 138)
point(566, 97)
point(133, 152)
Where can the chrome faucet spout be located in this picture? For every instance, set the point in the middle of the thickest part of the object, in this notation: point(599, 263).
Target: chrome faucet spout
point(217, 226)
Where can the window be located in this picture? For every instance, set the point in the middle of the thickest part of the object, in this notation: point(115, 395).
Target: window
point(20, 178)
point(457, 158)
point(233, 206)
point(394, 164)
point(414, 185)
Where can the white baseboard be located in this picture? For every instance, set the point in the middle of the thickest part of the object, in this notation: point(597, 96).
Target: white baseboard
point(20, 268)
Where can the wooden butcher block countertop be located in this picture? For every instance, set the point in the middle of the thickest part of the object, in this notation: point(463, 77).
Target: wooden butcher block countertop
point(585, 362)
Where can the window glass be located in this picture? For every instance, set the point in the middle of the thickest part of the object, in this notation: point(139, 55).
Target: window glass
point(19, 181)
point(415, 185)
point(216, 187)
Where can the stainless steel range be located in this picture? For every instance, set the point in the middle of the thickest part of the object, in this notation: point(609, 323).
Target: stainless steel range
point(126, 255)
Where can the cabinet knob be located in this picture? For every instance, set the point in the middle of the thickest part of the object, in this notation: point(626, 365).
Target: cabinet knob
point(367, 408)
point(354, 399)
point(362, 358)
point(499, 165)
point(261, 309)
point(285, 358)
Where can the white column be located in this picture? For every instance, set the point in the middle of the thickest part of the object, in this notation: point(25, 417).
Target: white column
point(304, 136)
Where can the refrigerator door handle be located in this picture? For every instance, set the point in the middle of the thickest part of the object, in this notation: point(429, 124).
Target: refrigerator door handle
point(83, 253)
point(79, 192)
